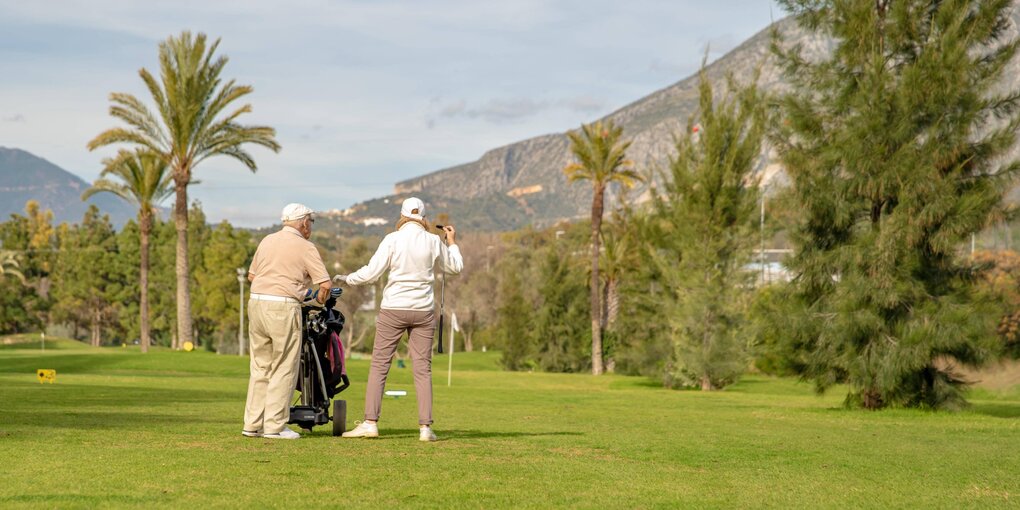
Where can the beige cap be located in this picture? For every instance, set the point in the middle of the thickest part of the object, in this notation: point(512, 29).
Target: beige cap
point(294, 212)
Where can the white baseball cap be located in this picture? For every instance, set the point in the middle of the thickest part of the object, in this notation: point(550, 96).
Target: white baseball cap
point(411, 205)
point(294, 212)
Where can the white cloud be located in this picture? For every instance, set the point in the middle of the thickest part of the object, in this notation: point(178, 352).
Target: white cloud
point(512, 109)
point(362, 93)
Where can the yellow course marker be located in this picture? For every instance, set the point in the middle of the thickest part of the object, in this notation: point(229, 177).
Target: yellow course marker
point(188, 346)
point(46, 375)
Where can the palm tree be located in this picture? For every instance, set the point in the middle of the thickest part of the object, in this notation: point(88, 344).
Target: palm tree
point(600, 154)
point(617, 257)
point(193, 124)
point(142, 178)
point(9, 265)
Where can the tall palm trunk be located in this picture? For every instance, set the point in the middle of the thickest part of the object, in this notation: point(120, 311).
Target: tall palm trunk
point(184, 329)
point(596, 302)
point(145, 231)
point(610, 307)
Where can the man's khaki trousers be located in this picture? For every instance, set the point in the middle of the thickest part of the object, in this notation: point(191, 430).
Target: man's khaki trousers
point(274, 331)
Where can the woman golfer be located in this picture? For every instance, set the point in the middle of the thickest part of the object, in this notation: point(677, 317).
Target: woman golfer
point(411, 254)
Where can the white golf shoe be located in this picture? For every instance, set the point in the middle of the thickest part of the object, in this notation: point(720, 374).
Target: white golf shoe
point(426, 434)
point(284, 434)
point(364, 429)
point(251, 433)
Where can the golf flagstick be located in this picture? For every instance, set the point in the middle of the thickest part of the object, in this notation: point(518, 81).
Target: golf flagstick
point(453, 328)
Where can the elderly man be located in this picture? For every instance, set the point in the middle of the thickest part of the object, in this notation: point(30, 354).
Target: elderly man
point(283, 264)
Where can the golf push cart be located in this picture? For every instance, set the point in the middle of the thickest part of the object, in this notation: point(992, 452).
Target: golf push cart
point(323, 368)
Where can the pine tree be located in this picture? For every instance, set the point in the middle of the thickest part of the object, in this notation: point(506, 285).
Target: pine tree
point(896, 146)
point(85, 284)
point(216, 295)
point(706, 220)
point(562, 340)
point(514, 314)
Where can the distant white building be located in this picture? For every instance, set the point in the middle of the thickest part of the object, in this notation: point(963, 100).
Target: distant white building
point(370, 222)
point(768, 266)
point(772, 272)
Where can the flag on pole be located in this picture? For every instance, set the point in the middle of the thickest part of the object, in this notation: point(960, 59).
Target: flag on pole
point(453, 327)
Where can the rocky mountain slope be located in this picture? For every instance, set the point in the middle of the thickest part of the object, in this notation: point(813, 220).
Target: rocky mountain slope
point(24, 177)
point(524, 181)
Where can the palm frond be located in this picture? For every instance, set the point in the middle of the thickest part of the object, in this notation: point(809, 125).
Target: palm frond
point(122, 135)
point(194, 117)
point(600, 155)
point(9, 265)
point(109, 186)
point(132, 111)
point(141, 178)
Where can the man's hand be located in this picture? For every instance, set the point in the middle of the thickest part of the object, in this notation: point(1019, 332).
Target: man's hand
point(323, 292)
point(451, 234)
point(340, 278)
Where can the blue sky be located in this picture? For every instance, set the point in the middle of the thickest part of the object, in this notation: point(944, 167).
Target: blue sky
point(362, 93)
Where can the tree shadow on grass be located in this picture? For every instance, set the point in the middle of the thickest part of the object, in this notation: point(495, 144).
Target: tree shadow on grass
point(997, 410)
point(105, 420)
point(85, 500)
point(72, 363)
point(96, 406)
point(55, 397)
point(1003, 410)
point(636, 383)
point(469, 434)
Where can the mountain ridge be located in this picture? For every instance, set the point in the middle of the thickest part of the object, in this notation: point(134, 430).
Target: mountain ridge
point(25, 176)
point(530, 171)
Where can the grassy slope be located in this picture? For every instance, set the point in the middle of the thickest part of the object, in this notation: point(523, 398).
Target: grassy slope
point(119, 428)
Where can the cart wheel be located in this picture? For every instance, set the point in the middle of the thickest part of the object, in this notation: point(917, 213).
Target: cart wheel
point(339, 417)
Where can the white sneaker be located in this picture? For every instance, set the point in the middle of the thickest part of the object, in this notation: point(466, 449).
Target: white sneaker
point(426, 434)
point(249, 433)
point(284, 434)
point(364, 429)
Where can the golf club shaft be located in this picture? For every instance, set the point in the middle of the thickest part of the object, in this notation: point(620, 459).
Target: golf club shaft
point(442, 304)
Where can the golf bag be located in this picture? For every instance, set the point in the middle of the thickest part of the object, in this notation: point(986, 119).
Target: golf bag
point(322, 373)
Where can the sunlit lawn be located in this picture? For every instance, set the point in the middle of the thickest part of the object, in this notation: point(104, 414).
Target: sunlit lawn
point(124, 429)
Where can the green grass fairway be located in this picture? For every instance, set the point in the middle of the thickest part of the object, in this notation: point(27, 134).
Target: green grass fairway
point(124, 429)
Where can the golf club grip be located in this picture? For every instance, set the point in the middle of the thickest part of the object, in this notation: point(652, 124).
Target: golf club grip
point(439, 348)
